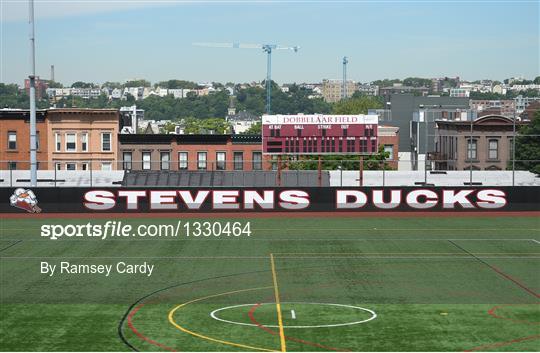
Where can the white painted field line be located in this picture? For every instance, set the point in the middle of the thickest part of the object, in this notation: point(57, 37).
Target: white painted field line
point(536, 241)
point(293, 314)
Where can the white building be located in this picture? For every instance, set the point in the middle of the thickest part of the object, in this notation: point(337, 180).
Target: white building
point(132, 118)
point(242, 122)
point(460, 92)
point(523, 102)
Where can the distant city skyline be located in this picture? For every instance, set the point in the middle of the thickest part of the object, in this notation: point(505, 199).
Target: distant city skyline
point(97, 41)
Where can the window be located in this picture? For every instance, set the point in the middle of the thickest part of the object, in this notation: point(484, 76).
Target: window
point(37, 140)
point(493, 149)
point(238, 160)
point(201, 160)
point(58, 166)
point(106, 166)
point(472, 149)
point(182, 160)
point(106, 141)
point(220, 160)
point(71, 166)
point(257, 161)
point(71, 143)
point(58, 142)
point(84, 166)
point(127, 159)
point(12, 165)
point(84, 142)
point(390, 150)
point(165, 158)
point(12, 140)
point(146, 161)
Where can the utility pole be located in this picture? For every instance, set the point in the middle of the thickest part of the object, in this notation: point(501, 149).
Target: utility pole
point(469, 152)
point(32, 79)
point(514, 149)
point(344, 87)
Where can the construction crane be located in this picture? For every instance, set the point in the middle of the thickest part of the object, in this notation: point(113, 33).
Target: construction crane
point(344, 88)
point(267, 48)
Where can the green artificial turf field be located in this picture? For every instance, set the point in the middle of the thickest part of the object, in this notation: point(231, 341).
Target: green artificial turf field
point(356, 284)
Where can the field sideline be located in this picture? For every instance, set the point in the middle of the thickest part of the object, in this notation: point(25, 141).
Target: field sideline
point(305, 282)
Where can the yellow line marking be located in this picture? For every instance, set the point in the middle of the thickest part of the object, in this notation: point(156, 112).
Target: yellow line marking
point(278, 305)
point(181, 328)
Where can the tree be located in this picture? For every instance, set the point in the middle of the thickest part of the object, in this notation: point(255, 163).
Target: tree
point(199, 126)
point(386, 82)
point(177, 84)
point(536, 80)
point(358, 105)
point(81, 84)
point(168, 127)
point(137, 83)
point(110, 84)
point(528, 146)
point(486, 95)
point(255, 129)
point(54, 84)
point(417, 82)
point(346, 162)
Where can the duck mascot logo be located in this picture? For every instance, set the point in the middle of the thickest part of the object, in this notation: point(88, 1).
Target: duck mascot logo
point(25, 199)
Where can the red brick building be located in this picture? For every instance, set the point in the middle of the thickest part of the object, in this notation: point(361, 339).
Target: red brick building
point(41, 87)
point(15, 139)
point(213, 152)
point(191, 152)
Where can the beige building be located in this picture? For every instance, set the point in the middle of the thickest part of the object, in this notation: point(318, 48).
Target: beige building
point(332, 90)
point(79, 139)
point(489, 149)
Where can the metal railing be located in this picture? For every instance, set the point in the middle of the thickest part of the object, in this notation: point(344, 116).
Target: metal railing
point(346, 171)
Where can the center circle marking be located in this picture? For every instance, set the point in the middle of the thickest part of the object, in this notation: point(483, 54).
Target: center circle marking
point(214, 316)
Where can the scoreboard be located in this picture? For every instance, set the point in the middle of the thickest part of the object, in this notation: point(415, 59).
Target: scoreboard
point(319, 134)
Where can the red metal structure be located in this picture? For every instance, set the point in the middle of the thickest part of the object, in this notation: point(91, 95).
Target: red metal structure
point(319, 134)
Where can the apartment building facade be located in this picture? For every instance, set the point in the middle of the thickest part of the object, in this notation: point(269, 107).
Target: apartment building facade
point(191, 152)
point(332, 90)
point(15, 139)
point(82, 139)
point(504, 107)
point(488, 147)
point(388, 138)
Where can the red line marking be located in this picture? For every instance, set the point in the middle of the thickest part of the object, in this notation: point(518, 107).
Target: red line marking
point(279, 214)
point(508, 277)
point(140, 335)
point(505, 343)
point(495, 308)
point(251, 315)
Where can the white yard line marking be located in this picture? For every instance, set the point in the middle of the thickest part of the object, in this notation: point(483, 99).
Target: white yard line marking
point(536, 241)
point(293, 314)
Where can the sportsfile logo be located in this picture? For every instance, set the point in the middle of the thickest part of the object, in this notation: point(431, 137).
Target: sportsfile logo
point(25, 199)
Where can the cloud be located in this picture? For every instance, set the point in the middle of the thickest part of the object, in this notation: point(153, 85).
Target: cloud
point(17, 10)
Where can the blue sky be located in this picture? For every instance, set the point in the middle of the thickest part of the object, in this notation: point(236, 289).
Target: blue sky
point(120, 39)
